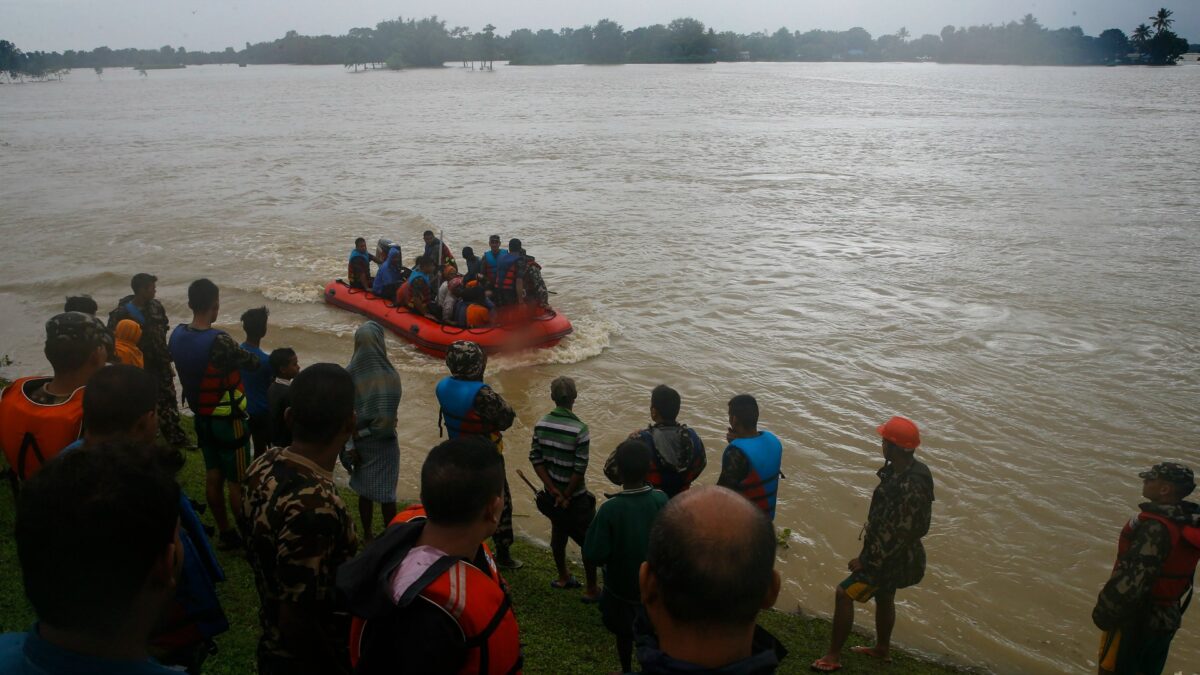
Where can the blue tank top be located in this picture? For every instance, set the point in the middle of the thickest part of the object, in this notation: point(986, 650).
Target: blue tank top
point(256, 382)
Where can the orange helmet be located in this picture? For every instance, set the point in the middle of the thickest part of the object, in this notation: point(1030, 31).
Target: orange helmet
point(901, 431)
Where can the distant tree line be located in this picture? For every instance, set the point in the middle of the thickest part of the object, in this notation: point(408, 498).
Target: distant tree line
point(427, 42)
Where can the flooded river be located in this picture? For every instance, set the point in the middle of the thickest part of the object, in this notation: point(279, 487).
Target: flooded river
point(1007, 255)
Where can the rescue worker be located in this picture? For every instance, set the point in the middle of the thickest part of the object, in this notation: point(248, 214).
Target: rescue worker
point(434, 557)
point(358, 270)
point(437, 251)
point(39, 416)
point(751, 462)
point(1142, 604)
point(509, 280)
point(209, 362)
point(536, 293)
point(677, 454)
point(892, 555)
point(471, 408)
point(491, 258)
point(143, 308)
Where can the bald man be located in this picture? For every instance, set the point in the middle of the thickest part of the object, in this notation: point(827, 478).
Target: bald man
point(709, 571)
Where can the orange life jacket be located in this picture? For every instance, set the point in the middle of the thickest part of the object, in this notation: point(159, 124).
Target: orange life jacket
point(478, 602)
point(1178, 570)
point(32, 433)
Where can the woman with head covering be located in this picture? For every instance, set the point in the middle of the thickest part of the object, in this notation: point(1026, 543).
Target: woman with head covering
point(388, 279)
point(128, 333)
point(376, 466)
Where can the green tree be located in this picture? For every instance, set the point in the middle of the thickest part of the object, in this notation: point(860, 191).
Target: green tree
point(1113, 45)
point(608, 42)
point(1162, 19)
point(1141, 35)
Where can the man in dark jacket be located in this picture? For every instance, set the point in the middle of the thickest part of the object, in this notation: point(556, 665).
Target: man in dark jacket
point(1142, 604)
point(892, 556)
point(709, 571)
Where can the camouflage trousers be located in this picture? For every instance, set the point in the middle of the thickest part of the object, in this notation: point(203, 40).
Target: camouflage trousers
point(168, 410)
point(503, 538)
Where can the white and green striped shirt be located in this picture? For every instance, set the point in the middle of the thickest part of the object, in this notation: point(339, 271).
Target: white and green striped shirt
point(560, 442)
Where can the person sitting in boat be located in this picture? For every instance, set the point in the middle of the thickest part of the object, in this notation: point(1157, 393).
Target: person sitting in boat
point(392, 273)
point(436, 251)
point(416, 294)
point(491, 257)
point(448, 294)
point(358, 272)
point(509, 280)
point(474, 263)
point(475, 310)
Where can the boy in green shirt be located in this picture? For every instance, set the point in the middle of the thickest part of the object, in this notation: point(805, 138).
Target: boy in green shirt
point(618, 539)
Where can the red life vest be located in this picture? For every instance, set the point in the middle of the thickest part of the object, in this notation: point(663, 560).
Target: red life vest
point(478, 602)
point(1179, 568)
point(32, 433)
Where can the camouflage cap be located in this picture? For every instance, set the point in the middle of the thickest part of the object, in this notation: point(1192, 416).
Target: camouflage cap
point(1172, 472)
point(78, 327)
point(466, 359)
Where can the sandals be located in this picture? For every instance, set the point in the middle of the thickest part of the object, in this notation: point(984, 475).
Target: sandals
point(570, 583)
point(870, 652)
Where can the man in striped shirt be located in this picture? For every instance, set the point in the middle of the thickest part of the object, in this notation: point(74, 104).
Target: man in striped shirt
point(559, 454)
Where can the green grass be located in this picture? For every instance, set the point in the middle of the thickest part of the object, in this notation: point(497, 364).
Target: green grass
point(560, 634)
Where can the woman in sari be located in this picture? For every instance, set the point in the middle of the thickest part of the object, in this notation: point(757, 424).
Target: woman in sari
point(375, 467)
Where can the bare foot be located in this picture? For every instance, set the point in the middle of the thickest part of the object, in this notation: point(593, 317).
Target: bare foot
point(873, 652)
point(826, 664)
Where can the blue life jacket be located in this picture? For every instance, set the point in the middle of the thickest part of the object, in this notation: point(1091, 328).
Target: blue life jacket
point(135, 313)
point(457, 400)
point(506, 277)
point(359, 254)
point(190, 350)
point(256, 382)
point(492, 259)
point(765, 454)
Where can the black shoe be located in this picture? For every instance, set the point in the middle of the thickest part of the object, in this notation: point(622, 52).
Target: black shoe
point(229, 540)
point(504, 560)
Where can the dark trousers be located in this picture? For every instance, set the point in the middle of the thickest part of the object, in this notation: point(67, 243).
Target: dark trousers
point(503, 538)
point(168, 409)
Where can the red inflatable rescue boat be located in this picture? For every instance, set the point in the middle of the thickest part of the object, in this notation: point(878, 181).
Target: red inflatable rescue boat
point(435, 338)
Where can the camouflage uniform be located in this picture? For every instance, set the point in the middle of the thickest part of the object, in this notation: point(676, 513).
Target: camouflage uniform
point(892, 556)
point(158, 363)
point(69, 327)
point(535, 286)
point(299, 533)
point(1138, 630)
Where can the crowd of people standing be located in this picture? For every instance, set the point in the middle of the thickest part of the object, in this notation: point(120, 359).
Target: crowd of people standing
point(686, 568)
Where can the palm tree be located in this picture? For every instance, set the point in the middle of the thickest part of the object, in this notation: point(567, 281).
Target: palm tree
point(902, 33)
point(1141, 35)
point(1162, 20)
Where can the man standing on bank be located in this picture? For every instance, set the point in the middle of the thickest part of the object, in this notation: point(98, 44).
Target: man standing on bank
point(892, 556)
point(752, 462)
point(1141, 606)
point(470, 407)
point(149, 313)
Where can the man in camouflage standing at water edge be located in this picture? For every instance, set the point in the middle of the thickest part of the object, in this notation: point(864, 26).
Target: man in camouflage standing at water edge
point(1142, 604)
point(892, 555)
point(149, 313)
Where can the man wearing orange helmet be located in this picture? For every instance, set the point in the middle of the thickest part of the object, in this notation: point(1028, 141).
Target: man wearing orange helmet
point(892, 556)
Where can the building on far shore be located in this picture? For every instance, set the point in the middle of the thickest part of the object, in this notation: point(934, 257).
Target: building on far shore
point(1191, 57)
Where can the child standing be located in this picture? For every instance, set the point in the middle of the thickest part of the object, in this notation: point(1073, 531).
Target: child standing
point(286, 366)
point(617, 540)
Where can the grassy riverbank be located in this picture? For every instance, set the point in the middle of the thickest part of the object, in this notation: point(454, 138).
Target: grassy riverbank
point(560, 634)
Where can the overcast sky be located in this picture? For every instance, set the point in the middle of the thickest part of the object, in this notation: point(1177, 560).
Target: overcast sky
point(57, 25)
